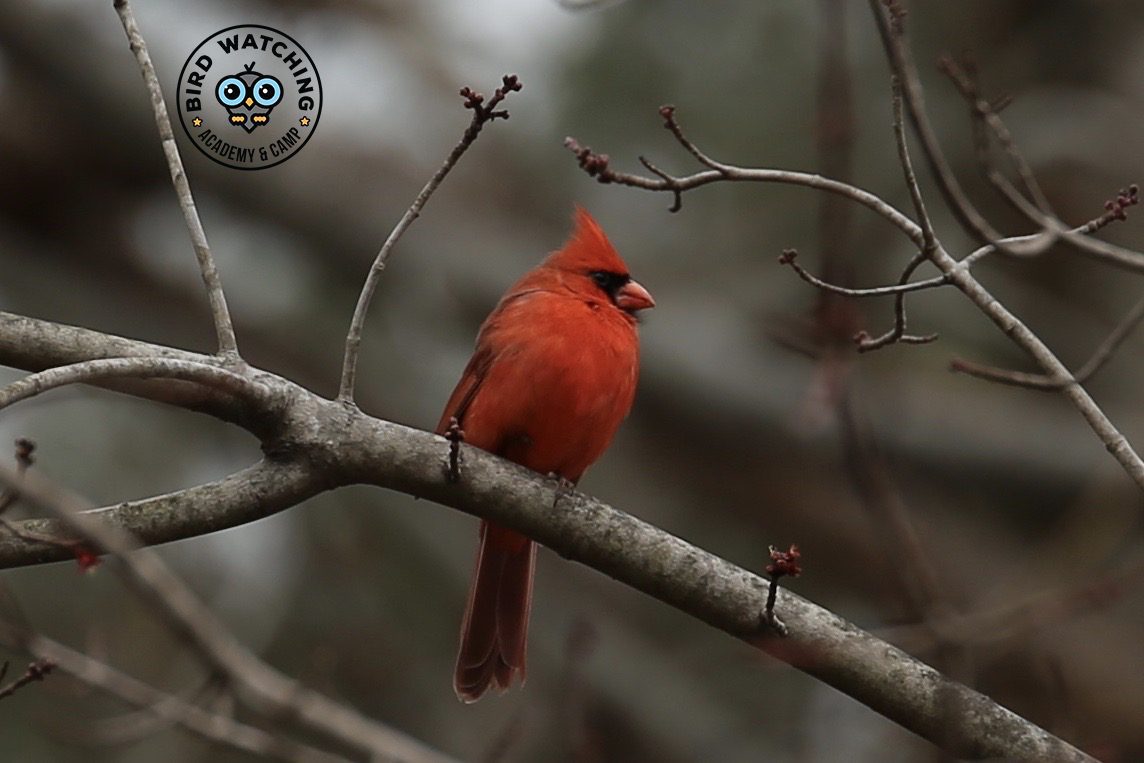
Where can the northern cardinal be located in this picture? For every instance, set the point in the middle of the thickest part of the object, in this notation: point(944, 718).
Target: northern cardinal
point(553, 375)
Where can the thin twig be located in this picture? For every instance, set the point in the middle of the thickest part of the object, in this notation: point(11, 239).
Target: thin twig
point(596, 165)
point(36, 671)
point(929, 240)
point(1109, 346)
point(483, 113)
point(986, 115)
point(898, 334)
point(1103, 251)
point(901, 62)
point(1039, 211)
point(138, 368)
point(788, 257)
point(783, 564)
point(224, 329)
point(1007, 377)
point(1041, 382)
point(669, 121)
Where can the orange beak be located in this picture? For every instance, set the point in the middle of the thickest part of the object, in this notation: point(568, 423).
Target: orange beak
point(632, 297)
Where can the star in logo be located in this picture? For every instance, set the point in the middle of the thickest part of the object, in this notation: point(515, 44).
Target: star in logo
point(304, 121)
point(197, 122)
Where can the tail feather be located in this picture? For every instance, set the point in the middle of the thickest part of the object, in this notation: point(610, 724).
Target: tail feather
point(494, 631)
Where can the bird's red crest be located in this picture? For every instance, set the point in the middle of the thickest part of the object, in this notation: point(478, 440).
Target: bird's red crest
point(587, 248)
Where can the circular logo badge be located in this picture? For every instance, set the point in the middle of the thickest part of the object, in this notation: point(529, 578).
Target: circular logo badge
point(249, 97)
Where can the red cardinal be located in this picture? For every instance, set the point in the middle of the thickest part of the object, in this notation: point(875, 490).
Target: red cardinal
point(552, 377)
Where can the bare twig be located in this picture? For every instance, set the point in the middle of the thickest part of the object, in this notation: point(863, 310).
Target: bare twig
point(957, 272)
point(227, 344)
point(789, 257)
point(985, 115)
point(929, 241)
point(597, 166)
point(483, 113)
point(36, 671)
point(783, 564)
point(669, 121)
point(37, 345)
point(1114, 209)
point(1042, 382)
point(897, 334)
point(1038, 209)
point(890, 27)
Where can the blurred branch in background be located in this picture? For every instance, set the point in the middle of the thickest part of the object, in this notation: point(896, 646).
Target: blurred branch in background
point(259, 687)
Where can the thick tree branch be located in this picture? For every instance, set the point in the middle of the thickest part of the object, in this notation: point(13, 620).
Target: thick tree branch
point(322, 444)
point(36, 345)
point(248, 495)
point(88, 371)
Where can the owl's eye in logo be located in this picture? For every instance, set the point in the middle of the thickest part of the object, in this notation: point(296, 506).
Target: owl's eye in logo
point(249, 97)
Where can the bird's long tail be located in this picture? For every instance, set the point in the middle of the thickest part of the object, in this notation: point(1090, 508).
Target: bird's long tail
point(495, 628)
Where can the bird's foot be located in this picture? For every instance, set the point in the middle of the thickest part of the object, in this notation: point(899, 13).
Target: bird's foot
point(455, 435)
point(564, 487)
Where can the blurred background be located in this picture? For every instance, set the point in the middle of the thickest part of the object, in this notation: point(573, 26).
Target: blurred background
point(756, 423)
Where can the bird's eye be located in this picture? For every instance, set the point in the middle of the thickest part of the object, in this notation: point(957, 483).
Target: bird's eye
point(609, 282)
point(231, 91)
point(267, 91)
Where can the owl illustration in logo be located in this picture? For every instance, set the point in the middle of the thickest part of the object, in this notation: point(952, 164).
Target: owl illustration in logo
point(249, 97)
